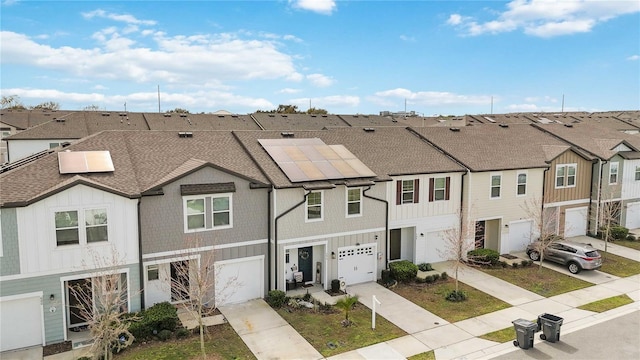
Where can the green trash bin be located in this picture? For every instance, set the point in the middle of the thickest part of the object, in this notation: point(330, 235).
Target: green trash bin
point(550, 326)
point(525, 331)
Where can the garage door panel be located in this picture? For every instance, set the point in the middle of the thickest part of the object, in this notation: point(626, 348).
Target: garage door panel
point(519, 235)
point(20, 323)
point(575, 222)
point(239, 281)
point(357, 264)
point(633, 215)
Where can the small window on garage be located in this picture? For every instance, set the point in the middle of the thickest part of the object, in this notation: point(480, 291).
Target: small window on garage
point(153, 272)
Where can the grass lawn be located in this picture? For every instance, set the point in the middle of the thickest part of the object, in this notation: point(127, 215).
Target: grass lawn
point(222, 342)
point(629, 244)
point(542, 281)
point(501, 336)
point(607, 304)
point(618, 265)
point(323, 327)
point(429, 355)
point(432, 298)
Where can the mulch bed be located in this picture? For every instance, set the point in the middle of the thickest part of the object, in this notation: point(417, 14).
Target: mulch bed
point(58, 348)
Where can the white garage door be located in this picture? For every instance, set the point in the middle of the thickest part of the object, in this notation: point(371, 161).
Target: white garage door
point(239, 280)
point(20, 323)
point(519, 235)
point(575, 222)
point(357, 264)
point(428, 247)
point(633, 215)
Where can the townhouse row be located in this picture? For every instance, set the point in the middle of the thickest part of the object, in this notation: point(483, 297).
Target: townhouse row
point(278, 206)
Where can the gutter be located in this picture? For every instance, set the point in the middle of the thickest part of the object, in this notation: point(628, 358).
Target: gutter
point(140, 263)
point(275, 236)
point(386, 224)
point(269, 193)
point(597, 218)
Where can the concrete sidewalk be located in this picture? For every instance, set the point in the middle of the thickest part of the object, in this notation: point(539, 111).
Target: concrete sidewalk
point(612, 247)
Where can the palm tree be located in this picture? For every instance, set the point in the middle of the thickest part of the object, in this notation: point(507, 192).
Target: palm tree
point(346, 304)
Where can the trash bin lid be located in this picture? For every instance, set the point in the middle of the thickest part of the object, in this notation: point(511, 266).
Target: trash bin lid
point(524, 323)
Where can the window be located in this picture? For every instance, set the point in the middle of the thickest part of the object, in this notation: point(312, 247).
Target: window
point(5, 131)
point(566, 175)
point(96, 225)
point(439, 188)
point(314, 206)
point(354, 202)
point(53, 145)
point(613, 173)
point(153, 272)
point(407, 191)
point(496, 181)
point(522, 184)
point(637, 173)
point(67, 232)
point(208, 212)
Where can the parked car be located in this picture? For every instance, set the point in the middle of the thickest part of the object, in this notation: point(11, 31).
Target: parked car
point(576, 256)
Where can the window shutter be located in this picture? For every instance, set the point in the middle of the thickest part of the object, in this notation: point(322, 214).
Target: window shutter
point(416, 191)
point(431, 185)
point(447, 188)
point(398, 192)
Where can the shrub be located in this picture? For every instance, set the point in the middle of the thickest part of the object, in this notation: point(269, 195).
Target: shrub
point(306, 297)
point(631, 237)
point(182, 333)
point(444, 275)
point(428, 279)
point(485, 256)
point(277, 298)
point(456, 296)
point(504, 264)
point(420, 280)
point(436, 277)
point(164, 335)
point(515, 265)
point(425, 267)
point(619, 232)
point(335, 285)
point(161, 316)
point(524, 263)
point(403, 270)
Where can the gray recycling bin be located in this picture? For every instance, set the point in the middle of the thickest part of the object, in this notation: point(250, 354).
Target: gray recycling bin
point(525, 331)
point(550, 326)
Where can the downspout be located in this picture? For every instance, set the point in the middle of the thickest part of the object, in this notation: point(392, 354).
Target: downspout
point(544, 183)
point(269, 193)
point(275, 235)
point(599, 193)
point(140, 264)
point(386, 224)
point(593, 162)
point(462, 201)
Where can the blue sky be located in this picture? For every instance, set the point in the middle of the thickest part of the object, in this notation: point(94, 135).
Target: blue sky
point(440, 57)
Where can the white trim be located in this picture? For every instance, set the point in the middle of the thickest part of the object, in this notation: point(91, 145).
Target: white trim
point(240, 259)
point(346, 203)
point(39, 294)
point(82, 228)
point(1, 237)
point(306, 207)
point(566, 203)
point(491, 197)
point(146, 264)
point(348, 233)
point(526, 182)
point(617, 173)
point(238, 244)
point(565, 179)
point(52, 272)
point(170, 260)
point(209, 215)
point(177, 252)
point(297, 246)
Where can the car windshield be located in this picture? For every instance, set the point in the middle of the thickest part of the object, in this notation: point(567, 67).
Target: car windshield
point(593, 253)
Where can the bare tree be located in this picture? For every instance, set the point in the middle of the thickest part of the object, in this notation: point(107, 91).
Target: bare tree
point(458, 242)
point(608, 216)
point(545, 224)
point(101, 301)
point(47, 105)
point(12, 102)
point(194, 287)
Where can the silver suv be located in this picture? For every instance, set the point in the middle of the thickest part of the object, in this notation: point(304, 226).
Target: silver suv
point(576, 256)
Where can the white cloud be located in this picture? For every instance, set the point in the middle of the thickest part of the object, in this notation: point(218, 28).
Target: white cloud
point(10, 2)
point(292, 38)
point(289, 91)
point(633, 57)
point(328, 102)
point(320, 80)
point(407, 38)
point(431, 98)
point(126, 18)
point(545, 18)
point(177, 59)
point(522, 108)
point(325, 7)
point(100, 87)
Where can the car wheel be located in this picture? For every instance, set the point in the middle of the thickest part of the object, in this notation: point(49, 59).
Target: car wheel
point(574, 268)
point(534, 255)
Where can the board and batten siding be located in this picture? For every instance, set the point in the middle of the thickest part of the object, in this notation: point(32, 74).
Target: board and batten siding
point(630, 186)
point(37, 236)
point(162, 216)
point(294, 224)
point(424, 208)
point(10, 259)
point(583, 179)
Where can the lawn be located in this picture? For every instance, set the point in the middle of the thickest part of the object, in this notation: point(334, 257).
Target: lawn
point(607, 304)
point(542, 281)
point(501, 336)
point(618, 265)
point(429, 355)
point(222, 342)
point(324, 331)
point(432, 298)
point(629, 244)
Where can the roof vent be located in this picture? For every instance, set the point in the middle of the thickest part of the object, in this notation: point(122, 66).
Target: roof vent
point(503, 125)
point(454, 129)
point(369, 129)
point(271, 115)
point(123, 114)
point(568, 125)
point(234, 116)
point(166, 115)
point(185, 134)
point(355, 116)
point(60, 120)
point(324, 115)
point(105, 114)
point(65, 144)
point(220, 116)
point(183, 115)
point(284, 115)
point(286, 134)
point(45, 114)
point(313, 115)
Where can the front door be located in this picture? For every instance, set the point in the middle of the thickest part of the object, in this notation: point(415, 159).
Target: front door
point(305, 263)
point(180, 280)
point(480, 234)
point(77, 307)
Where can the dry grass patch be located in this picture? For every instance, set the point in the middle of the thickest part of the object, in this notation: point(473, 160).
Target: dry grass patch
point(542, 281)
point(432, 298)
point(618, 265)
point(324, 331)
point(429, 355)
point(222, 342)
point(501, 336)
point(607, 304)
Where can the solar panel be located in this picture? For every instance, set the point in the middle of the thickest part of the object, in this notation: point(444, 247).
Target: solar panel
point(80, 162)
point(311, 159)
